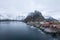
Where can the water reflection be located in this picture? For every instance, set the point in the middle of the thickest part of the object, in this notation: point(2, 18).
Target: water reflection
point(22, 31)
point(7, 22)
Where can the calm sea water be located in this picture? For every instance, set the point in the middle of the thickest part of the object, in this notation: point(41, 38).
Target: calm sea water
point(22, 31)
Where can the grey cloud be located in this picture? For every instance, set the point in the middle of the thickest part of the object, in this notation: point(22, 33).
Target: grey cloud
point(47, 7)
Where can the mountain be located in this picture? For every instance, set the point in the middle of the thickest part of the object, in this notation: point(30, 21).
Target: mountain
point(1, 17)
point(49, 18)
point(20, 17)
point(34, 16)
point(6, 17)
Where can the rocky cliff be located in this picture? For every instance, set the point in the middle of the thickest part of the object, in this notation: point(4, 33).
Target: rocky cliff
point(34, 16)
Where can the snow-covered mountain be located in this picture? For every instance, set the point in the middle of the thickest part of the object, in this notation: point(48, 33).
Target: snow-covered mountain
point(49, 18)
point(20, 17)
point(3, 17)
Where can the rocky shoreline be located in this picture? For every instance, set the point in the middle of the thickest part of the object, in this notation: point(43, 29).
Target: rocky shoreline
point(45, 30)
point(48, 25)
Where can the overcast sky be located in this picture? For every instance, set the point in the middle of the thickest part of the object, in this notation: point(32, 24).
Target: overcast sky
point(23, 7)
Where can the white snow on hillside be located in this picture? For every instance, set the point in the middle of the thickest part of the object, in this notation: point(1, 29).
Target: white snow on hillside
point(16, 17)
